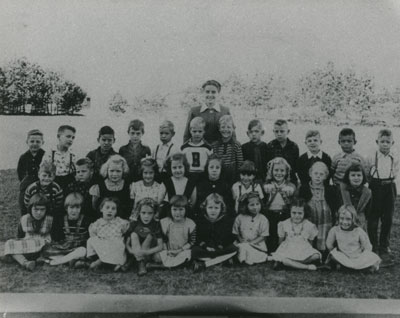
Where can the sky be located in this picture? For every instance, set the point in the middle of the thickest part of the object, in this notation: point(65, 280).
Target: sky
point(149, 47)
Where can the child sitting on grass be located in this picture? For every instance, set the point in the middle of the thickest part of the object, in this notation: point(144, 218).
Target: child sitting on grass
point(28, 164)
point(34, 229)
point(349, 244)
point(145, 241)
point(214, 235)
point(251, 228)
point(69, 234)
point(106, 242)
point(296, 236)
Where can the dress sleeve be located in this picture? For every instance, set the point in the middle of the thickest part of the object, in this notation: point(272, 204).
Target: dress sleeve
point(93, 229)
point(124, 226)
point(312, 231)
point(133, 190)
point(264, 226)
point(331, 239)
point(364, 240)
point(94, 190)
point(260, 192)
point(281, 230)
point(236, 226)
point(161, 193)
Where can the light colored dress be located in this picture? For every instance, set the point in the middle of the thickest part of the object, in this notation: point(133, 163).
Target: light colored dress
point(296, 245)
point(107, 240)
point(354, 249)
point(320, 215)
point(248, 228)
point(139, 191)
point(178, 235)
point(34, 240)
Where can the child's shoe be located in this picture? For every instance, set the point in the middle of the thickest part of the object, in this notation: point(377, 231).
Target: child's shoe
point(81, 264)
point(142, 268)
point(150, 266)
point(312, 267)
point(198, 266)
point(30, 265)
point(95, 264)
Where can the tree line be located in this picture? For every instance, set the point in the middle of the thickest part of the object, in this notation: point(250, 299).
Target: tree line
point(27, 88)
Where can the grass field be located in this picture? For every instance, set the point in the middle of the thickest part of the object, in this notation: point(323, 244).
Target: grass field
point(257, 280)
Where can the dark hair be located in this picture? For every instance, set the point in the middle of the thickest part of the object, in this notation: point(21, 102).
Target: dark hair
point(385, 133)
point(244, 202)
point(248, 167)
point(147, 202)
point(178, 200)
point(301, 203)
point(347, 132)
point(280, 122)
point(34, 132)
point(254, 123)
point(356, 167)
point(213, 83)
point(38, 199)
point(109, 199)
point(136, 124)
point(106, 130)
point(176, 156)
point(213, 156)
point(150, 163)
point(63, 128)
point(85, 161)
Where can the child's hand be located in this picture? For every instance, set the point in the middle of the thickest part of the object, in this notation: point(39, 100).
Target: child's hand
point(140, 253)
point(210, 249)
point(269, 188)
point(287, 190)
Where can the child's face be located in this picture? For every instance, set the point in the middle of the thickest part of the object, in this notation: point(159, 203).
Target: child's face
point(281, 132)
point(146, 214)
point(313, 143)
point(246, 178)
point(226, 131)
point(38, 212)
point(177, 169)
point(214, 170)
point(385, 143)
point(297, 214)
point(34, 143)
point(345, 220)
point(255, 134)
point(213, 210)
point(73, 212)
point(83, 173)
point(106, 141)
point(356, 178)
point(148, 175)
point(45, 178)
point(178, 213)
point(197, 134)
point(279, 172)
point(317, 175)
point(165, 135)
point(135, 136)
point(254, 206)
point(210, 94)
point(66, 138)
point(347, 143)
point(109, 210)
point(115, 172)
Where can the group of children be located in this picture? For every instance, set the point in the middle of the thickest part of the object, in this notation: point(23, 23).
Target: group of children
point(203, 204)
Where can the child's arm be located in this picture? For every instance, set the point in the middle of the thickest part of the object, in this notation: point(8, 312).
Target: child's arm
point(257, 240)
point(20, 169)
point(133, 244)
point(155, 249)
point(186, 135)
point(193, 197)
point(93, 229)
point(364, 241)
point(331, 239)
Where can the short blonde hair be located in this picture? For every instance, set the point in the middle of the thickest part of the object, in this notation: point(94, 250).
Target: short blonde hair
point(197, 122)
point(117, 159)
point(226, 119)
point(73, 199)
point(319, 164)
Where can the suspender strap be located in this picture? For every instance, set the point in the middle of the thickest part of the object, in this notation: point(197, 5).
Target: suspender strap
point(169, 149)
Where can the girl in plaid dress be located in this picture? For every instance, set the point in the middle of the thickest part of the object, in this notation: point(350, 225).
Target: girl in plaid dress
point(35, 228)
point(106, 242)
point(69, 234)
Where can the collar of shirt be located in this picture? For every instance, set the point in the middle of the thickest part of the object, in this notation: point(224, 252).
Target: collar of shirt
point(167, 145)
point(278, 144)
point(104, 222)
point(311, 155)
point(204, 107)
point(345, 154)
point(201, 143)
point(381, 155)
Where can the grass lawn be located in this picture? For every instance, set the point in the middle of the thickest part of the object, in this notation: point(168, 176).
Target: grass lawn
point(257, 280)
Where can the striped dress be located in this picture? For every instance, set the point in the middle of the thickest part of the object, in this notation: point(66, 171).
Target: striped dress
point(232, 157)
point(37, 234)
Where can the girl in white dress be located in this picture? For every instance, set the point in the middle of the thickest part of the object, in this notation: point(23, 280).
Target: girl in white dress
point(295, 240)
point(107, 236)
point(354, 250)
point(251, 228)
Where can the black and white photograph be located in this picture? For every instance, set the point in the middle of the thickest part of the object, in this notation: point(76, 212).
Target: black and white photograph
point(199, 158)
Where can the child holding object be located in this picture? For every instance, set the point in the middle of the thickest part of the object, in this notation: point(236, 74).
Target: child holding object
point(295, 240)
point(106, 242)
point(145, 240)
point(251, 228)
point(35, 228)
point(349, 244)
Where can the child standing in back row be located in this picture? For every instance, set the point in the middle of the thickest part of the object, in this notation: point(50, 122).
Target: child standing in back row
point(134, 151)
point(28, 164)
point(100, 155)
point(62, 157)
point(383, 167)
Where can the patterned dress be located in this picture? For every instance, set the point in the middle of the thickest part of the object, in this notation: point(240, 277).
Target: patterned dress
point(37, 234)
point(107, 240)
point(296, 245)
